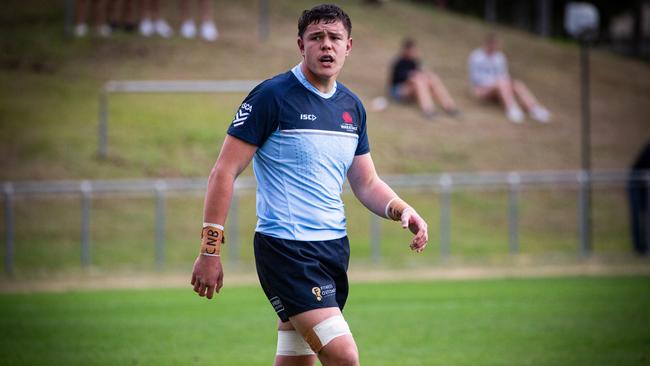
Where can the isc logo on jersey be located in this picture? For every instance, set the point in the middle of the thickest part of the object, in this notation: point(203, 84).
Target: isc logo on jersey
point(242, 114)
point(308, 117)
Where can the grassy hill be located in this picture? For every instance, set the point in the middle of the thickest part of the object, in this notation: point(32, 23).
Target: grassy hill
point(49, 86)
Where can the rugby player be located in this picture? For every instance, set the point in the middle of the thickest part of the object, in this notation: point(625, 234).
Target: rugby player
point(305, 133)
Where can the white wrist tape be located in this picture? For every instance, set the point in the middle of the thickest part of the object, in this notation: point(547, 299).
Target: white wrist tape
point(290, 343)
point(387, 206)
point(211, 255)
point(325, 331)
point(206, 224)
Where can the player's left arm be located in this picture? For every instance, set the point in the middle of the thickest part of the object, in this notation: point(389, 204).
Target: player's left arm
point(379, 198)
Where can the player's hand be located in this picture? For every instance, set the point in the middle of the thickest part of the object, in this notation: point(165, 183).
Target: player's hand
point(207, 275)
point(417, 225)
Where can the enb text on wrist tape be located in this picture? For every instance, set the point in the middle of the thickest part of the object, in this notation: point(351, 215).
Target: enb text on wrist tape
point(211, 240)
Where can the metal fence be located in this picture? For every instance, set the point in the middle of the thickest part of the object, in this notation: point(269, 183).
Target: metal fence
point(442, 184)
point(160, 86)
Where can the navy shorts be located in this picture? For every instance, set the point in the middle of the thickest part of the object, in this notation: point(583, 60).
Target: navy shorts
point(298, 276)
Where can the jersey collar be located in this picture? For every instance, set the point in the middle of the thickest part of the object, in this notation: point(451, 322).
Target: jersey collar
point(297, 72)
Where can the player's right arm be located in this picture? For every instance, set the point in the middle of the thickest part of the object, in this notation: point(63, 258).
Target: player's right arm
point(235, 155)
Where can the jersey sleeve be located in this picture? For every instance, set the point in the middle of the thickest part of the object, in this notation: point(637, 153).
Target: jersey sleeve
point(363, 147)
point(257, 117)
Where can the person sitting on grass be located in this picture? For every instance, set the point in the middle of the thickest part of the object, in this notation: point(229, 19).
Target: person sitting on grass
point(410, 82)
point(491, 81)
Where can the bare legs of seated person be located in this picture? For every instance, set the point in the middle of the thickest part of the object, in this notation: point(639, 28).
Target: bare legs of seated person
point(511, 94)
point(426, 87)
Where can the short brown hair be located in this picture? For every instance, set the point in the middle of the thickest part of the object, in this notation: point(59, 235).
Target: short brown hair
point(326, 13)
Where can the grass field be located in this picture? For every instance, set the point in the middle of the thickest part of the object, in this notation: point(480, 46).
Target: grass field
point(562, 321)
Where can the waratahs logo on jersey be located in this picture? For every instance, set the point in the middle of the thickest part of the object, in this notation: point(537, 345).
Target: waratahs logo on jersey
point(242, 114)
point(348, 122)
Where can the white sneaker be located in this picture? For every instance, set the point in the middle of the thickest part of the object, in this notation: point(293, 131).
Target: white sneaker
point(515, 115)
point(80, 30)
point(188, 29)
point(163, 29)
point(146, 27)
point(209, 31)
point(540, 114)
point(104, 31)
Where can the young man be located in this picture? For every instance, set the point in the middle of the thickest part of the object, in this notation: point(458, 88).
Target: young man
point(305, 133)
point(410, 82)
point(488, 70)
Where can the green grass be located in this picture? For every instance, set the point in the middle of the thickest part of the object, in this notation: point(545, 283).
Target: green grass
point(564, 321)
point(123, 239)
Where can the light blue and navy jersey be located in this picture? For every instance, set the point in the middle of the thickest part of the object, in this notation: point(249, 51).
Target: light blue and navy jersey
point(307, 141)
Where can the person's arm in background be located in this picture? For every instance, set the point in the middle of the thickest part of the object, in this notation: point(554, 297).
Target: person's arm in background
point(207, 274)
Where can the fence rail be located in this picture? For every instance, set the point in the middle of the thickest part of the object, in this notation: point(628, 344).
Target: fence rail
point(443, 184)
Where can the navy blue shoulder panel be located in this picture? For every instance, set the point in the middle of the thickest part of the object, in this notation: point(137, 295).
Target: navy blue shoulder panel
point(257, 116)
point(282, 103)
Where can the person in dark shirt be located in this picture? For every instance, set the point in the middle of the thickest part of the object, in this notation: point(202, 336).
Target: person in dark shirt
point(637, 190)
point(410, 82)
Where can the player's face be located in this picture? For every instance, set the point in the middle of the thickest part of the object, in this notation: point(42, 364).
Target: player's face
point(324, 47)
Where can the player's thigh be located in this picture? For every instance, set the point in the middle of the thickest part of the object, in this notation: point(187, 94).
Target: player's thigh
point(341, 349)
point(306, 321)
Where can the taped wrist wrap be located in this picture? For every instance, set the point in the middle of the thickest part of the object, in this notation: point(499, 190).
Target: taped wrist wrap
point(395, 208)
point(211, 240)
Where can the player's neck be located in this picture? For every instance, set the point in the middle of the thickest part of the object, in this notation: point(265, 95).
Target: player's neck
point(323, 85)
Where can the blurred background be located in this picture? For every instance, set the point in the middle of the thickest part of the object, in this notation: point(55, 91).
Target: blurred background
point(112, 116)
point(68, 117)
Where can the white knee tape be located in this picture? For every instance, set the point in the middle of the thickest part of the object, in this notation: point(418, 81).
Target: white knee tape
point(290, 343)
point(331, 328)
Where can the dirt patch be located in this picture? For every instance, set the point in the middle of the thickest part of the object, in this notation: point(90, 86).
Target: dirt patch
point(357, 275)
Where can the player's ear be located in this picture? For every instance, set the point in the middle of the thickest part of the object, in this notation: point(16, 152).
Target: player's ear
point(348, 47)
point(301, 46)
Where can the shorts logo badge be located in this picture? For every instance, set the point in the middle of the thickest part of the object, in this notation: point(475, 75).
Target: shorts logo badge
point(316, 292)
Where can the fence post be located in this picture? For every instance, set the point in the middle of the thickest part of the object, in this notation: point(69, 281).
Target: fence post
point(647, 215)
point(68, 16)
point(161, 188)
point(86, 197)
point(445, 217)
point(375, 237)
point(103, 123)
point(514, 181)
point(490, 10)
point(8, 193)
point(583, 211)
point(264, 20)
point(233, 229)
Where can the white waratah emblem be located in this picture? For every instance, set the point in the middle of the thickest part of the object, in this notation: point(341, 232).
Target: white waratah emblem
point(242, 114)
